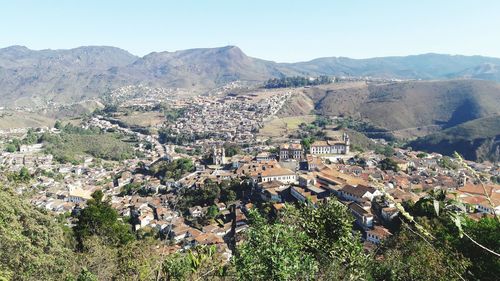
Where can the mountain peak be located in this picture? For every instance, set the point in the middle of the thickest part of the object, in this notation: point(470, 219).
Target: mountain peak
point(15, 49)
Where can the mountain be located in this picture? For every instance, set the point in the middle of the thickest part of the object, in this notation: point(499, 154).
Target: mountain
point(409, 105)
point(426, 66)
point(29, 77)
point(35, 77)
point(199, 68)
point(477, 140)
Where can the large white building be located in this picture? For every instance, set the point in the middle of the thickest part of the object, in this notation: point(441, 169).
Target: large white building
point(291, 151)
point(278, 174)
point(331, 146)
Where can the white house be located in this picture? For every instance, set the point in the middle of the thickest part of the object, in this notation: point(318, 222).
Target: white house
point(277, 174)
point(377, 234)
point(358, 193)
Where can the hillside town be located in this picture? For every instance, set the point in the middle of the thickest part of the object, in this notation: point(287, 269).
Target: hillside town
point(270, 175)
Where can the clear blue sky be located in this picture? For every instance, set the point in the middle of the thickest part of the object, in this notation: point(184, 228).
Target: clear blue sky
point(277, 30)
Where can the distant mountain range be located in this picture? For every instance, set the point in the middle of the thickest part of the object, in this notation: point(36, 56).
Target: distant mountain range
point(29, 77)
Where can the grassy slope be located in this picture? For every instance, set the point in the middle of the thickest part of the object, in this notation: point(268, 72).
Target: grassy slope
point(70, 147)
point(47, 117)
point(476, 140)
point(283, 126)
point(404, 105)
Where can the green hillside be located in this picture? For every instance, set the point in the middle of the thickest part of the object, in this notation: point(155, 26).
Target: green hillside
point(477, 140)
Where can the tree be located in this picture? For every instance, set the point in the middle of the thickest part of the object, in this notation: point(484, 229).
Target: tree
point(447, 163)
point(228, 195)
point(231, 149)
point(486, 232)
point(24, 174)
point(274, 252)
point(131, 188)
point(86, 275)
point(58, 125)
point(306, 142)
point(200, 263)
point(100, 219)
point(11, 148)
point(173, 170)
point(386, 150)
point(388, 164)
point(328, 228)
point(406, 256)
point(212, 212)
point(32, 243)
point(422, 155)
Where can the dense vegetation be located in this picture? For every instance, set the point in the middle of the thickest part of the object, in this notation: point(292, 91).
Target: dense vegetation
point(296, 81)
point(33, 245)
point(172, 170)
point(368, 129)
point(388, 164)
point(74, 142)
point(213, 192)
point(98, 218)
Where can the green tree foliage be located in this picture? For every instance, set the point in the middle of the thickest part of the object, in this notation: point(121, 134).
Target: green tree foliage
point(275, 252)
point(31, 137)
point(86, 275)
point(204, 196)
point(388, 164)
point(322, 122)
point(32, 243)
point(296, 81)
point(200, 263)
point(408, 257)
point(213, 192)
point(172, 114)
point(228, 195)
point(75, 142)
point(231, 149)
point(485, 266)
point(22, 176)
point(328, 228)
point(447, 163)
point(110, 108)
point(386, 150)
point(58, 125)
point(422, 155)
point(100, 219)
point(306, 142)
point(169, 136)
point(131, 188)
point(11, 148)
point(212, 212)
point(438, 215)
point(173, 170)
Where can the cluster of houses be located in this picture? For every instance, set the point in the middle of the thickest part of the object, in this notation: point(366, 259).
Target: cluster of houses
point(142, 95)
point(327, 170)
point(232, 118)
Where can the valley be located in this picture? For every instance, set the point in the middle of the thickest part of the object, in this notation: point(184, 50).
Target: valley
point(192, 153)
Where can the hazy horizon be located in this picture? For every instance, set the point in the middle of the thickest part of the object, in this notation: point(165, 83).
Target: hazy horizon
point(282, 31)
point(194, 48)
